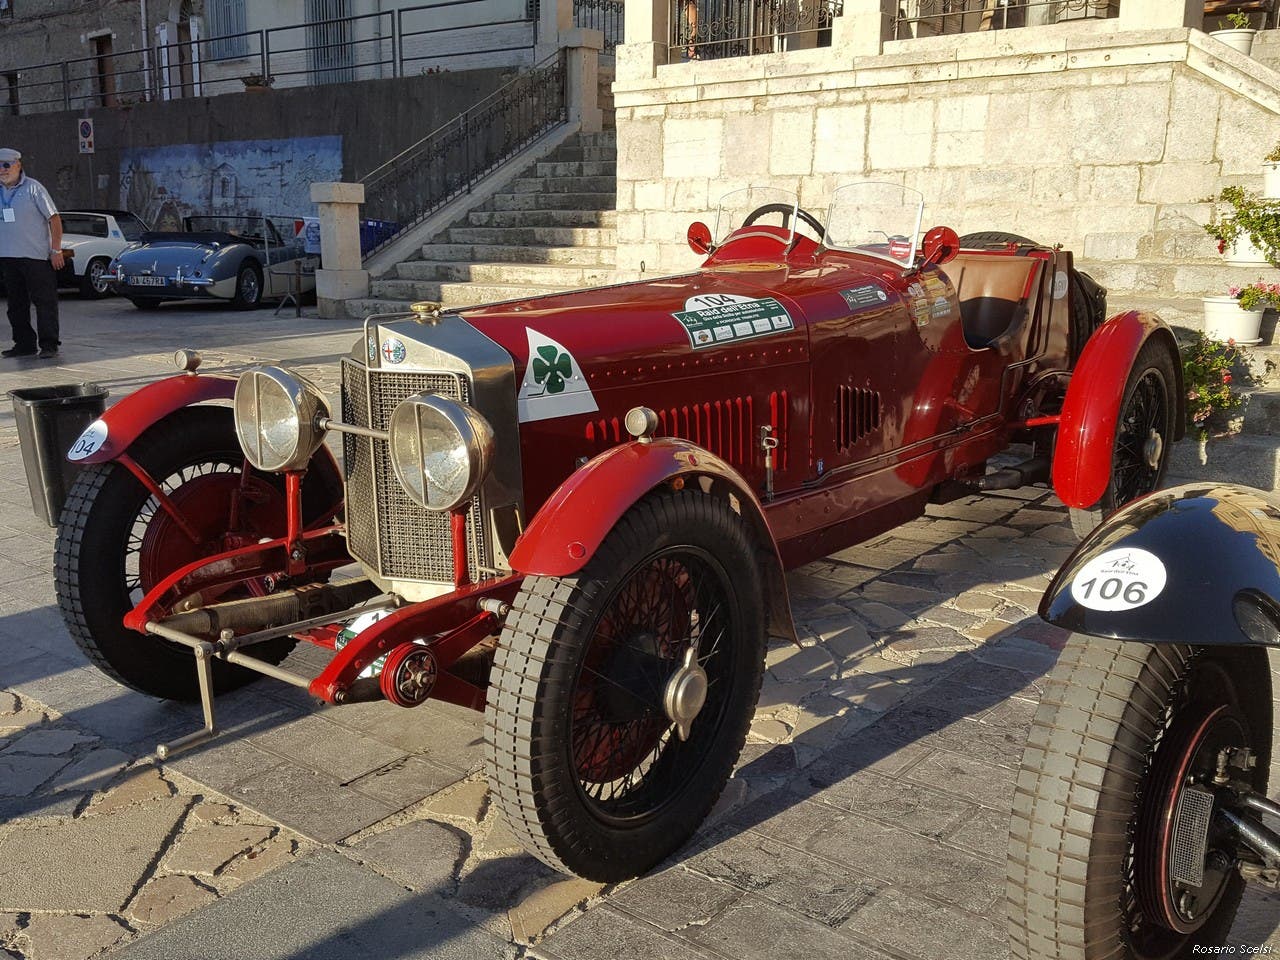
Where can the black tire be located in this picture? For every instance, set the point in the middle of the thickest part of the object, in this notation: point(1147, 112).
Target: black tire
point(248, 293)
point(94, 575)
point(561, 735)
point(92, 286)
point(1147, 404)
point(1084, 795)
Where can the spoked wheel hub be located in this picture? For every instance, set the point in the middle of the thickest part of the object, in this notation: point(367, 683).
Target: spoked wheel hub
point(1184, 855)
point(647, 699)
point(1153, 449)
point(1139, 448)
point(205, 503)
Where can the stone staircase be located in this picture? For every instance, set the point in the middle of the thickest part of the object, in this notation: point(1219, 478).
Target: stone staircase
point(553, 228)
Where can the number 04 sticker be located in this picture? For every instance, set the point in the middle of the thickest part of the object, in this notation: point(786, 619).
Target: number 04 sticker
point(1119, 580)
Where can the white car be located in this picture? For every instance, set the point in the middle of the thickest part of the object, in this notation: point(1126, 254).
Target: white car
point(96, 236)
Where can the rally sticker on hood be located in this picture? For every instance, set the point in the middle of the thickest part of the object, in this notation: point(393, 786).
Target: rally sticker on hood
point(553, 384)
point(721, 318)
point(1120, 579)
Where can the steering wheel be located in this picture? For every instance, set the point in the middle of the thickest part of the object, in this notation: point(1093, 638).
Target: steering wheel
point(785, 209)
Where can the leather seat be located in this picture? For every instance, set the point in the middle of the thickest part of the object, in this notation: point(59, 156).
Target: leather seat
point(992, 290)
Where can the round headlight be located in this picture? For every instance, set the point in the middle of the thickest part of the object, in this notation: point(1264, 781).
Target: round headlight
point(276, 413)
point(440, 449)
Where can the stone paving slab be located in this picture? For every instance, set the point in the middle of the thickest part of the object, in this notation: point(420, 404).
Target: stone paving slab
point(867, 817)
point(322, 907)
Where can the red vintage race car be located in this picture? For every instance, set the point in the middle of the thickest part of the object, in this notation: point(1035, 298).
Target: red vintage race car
point(574, 512)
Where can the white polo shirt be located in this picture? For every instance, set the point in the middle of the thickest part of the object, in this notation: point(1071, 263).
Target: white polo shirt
point(25, 210)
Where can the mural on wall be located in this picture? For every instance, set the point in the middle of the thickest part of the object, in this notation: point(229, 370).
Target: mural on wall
point(234, 178)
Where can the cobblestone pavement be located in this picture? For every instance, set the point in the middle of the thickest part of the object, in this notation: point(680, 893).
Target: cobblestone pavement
point(867, 818)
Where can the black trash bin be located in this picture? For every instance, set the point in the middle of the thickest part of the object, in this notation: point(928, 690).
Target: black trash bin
point(49, 420)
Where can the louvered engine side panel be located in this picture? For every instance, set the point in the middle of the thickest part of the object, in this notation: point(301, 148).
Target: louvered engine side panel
point(386, 530)
point(728, 427)
point(858, 414)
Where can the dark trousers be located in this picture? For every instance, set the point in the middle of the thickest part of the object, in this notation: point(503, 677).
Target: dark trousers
point(30, 282)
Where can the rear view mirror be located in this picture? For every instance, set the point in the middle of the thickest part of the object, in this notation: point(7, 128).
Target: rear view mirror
point(941, 244)
point(699, 237)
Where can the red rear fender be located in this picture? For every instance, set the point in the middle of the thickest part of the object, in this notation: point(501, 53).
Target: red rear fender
point(112, 433)
point(1087, 429)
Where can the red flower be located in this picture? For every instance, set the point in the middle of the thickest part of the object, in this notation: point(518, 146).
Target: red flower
point(1226, 378)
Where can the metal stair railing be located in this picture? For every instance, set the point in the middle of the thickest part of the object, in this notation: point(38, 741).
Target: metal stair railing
point(453, 158)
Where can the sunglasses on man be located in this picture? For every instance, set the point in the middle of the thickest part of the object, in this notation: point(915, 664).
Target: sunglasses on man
point(6, 164)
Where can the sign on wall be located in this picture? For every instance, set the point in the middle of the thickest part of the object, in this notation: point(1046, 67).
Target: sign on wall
point(84, 127)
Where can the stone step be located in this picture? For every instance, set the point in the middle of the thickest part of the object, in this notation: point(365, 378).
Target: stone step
point(569, 185)
point(549, 236)
point(1250, 460)
point(546, 275)
point(602, 138)
point(577, 168)
point(1173, 278)
point(399, 292)
point(555, 201)
point(568, 154)
point(362, 307)
point(513, 253)
point(543, 218)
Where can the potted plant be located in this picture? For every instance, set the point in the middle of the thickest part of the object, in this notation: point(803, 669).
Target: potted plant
point(1249, 232)
point(257, 81)
point(1211, 369)
point(1271, 174)
point(1237, 317)
point(1239, 36)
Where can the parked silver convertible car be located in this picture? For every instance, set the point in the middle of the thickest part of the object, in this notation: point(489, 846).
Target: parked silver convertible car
point(241, 259)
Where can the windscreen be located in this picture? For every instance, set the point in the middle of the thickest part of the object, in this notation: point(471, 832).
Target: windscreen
point(880, 219)
point(768, 206)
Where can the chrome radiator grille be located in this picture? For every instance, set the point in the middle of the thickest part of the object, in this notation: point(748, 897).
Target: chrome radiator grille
point(385, 529)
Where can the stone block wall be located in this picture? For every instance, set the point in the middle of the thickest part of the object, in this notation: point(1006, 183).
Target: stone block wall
point(1101, 139)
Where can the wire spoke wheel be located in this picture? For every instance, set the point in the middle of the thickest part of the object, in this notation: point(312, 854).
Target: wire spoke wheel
point(624, 749)
point(116, 542)
point(1136, 461)
point(620, 696)
point(1125, 733)
point(1144, 435)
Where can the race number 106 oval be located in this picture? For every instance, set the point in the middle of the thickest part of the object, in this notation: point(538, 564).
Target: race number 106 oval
point(1119, 580)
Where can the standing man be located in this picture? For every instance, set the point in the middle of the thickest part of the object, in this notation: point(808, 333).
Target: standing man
point(30, 256)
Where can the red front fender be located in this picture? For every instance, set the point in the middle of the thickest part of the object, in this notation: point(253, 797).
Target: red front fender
point(128, 419)
point(1087, 428)
point(573, 523)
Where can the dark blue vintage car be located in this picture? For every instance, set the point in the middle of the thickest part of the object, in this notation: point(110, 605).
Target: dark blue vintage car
point(241, 259)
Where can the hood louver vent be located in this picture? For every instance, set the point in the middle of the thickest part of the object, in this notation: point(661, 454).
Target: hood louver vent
point(857, 415)
point(728, 428)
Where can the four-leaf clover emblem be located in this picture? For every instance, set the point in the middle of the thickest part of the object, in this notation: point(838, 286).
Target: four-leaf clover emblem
point(551, 367)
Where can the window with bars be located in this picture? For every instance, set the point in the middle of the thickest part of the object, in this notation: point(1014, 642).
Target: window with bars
point(225, 18)
point(329, 53)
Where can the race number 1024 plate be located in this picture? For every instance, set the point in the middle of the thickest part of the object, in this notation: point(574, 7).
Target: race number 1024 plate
point(1119, 580)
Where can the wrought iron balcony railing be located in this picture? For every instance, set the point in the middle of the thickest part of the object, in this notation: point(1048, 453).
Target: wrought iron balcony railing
point(711, 29)
point(923, 18)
